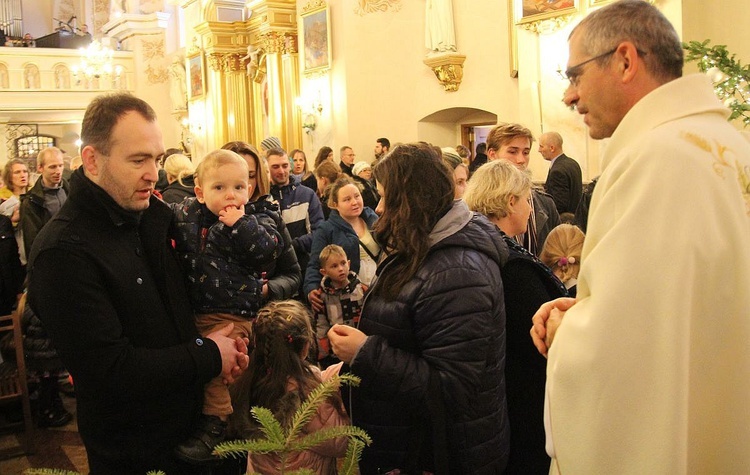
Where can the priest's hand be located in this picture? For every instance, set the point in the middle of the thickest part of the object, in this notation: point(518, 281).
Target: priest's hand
point(546, 320)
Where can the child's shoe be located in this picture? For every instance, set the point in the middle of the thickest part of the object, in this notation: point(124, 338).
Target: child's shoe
point(55, 417)
point(198, 449)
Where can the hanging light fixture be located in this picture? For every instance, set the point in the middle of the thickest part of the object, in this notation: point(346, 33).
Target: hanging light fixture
point(96, 63)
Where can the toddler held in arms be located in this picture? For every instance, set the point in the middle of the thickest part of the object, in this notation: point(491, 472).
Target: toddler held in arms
point(222, 243)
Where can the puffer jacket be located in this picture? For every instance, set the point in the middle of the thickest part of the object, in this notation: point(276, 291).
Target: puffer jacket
point(283, 275)
point(446, 325)
point(224, 264)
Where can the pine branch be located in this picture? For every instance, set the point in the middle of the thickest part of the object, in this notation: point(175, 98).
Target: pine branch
point(351, 459)
point(309, 408)
point(283, 443)
point(318, 437)
point(240, 448)
point(269, 425)
point(316, 397)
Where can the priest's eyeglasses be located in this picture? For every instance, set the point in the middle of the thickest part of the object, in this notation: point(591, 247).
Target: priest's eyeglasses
point(574, 73)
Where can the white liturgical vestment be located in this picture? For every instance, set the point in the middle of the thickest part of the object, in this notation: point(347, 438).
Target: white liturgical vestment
point(649, 372)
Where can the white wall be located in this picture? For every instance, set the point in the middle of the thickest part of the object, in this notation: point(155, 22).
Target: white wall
point(381, 88)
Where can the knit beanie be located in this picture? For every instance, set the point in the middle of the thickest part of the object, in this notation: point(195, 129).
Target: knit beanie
point(451, 157)
point(270, 142)
point(359, 167)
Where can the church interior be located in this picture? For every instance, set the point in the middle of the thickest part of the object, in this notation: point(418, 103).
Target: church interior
point(312, 72)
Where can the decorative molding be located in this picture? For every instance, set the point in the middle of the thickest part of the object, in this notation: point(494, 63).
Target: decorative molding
point(156, 75)
point(315, 4)
point(195, 48)
point(128, 25)
point(550, 25)
point(226, 62)
point(373, 6)
point(291, 44)
point(216, 61)
point(448, 68)
point(101, 16)
point(153, 49)
point(153, 54)
point(233, 63)
point(278, 42)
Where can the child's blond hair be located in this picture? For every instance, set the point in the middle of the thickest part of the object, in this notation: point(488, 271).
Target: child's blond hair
point(331, 250)
point(562, 251)
point(216, 159)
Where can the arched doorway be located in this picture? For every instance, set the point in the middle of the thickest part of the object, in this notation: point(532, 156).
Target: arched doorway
point(456, 125)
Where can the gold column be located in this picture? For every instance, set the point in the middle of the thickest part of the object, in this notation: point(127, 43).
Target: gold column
point(216, 92)
point(292, 115)
point(238, 98)
point(273, 44)
point(235, 102)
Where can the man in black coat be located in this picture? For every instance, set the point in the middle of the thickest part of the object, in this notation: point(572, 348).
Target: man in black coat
point(564, 180)
point(108, 288)
point(46, 197)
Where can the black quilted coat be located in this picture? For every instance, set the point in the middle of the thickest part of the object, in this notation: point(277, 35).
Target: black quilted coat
point(448, 324)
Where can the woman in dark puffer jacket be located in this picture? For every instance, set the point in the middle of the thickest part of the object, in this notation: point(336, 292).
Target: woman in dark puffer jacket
point(430, 346)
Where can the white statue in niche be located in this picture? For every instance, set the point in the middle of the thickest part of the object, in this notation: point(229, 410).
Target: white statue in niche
point(31, 77)
point(178, 84)
point(440, 35)
point(252, 57)
point(62, 77)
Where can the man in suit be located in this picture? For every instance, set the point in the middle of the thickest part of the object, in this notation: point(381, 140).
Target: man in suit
point(564, 180)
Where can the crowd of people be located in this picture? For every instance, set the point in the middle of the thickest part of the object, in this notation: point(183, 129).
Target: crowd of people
point(180, 296)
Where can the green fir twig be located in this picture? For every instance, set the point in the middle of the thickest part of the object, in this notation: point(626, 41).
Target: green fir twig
point(285, 442)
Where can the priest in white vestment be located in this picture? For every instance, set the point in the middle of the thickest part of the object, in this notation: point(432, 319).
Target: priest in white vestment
point(649, 370)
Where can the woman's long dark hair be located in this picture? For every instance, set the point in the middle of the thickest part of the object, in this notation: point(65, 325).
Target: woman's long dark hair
point(418, 191)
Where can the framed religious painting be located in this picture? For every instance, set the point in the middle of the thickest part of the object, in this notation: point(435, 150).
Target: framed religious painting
point(316, 37)
point(528, 11)
point(196, 76)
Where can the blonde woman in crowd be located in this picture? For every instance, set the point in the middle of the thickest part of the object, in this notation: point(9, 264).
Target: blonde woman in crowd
point(180, 172)
point(301, 170)
point(16, 179)
point(502, 192)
